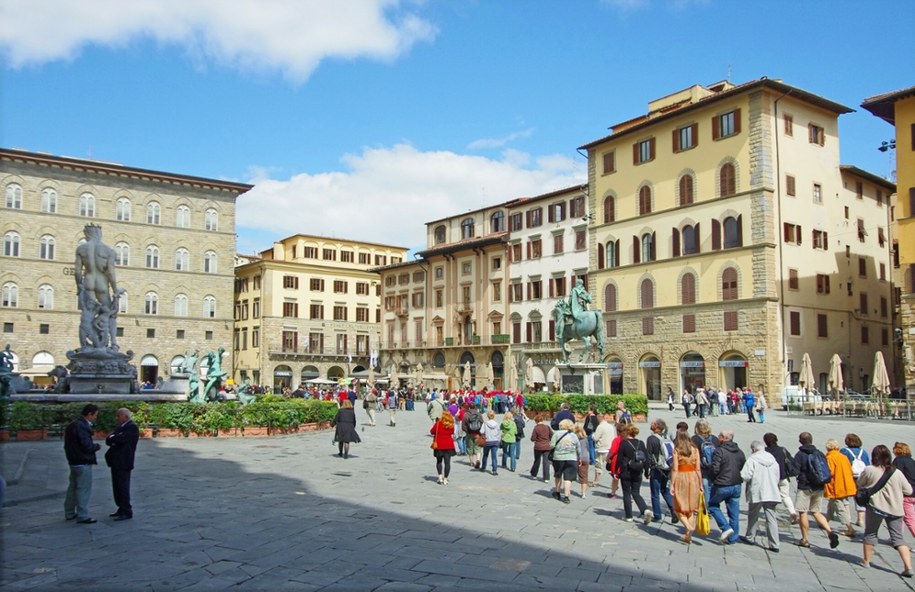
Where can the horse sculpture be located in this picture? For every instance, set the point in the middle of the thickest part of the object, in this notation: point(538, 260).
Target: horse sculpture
point(574, 321)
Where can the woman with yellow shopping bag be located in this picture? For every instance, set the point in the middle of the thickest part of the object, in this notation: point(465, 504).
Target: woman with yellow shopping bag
point(686, 487)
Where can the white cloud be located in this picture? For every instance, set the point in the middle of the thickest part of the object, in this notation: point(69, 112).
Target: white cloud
point(484, 143)
point(387, 194)
point(290, 36)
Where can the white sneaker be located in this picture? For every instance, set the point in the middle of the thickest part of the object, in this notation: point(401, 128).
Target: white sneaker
point(723, 539)
point(647, 517)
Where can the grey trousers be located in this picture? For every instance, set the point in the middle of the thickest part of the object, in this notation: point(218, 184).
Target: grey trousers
point(771, 521)
point(79, 490)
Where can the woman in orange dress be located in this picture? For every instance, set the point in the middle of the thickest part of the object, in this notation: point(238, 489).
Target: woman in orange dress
point(685, 483)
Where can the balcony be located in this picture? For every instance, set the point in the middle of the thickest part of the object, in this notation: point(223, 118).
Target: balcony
point(499, 339)
point(402, 311)
point(326, 353)
point(464, 307)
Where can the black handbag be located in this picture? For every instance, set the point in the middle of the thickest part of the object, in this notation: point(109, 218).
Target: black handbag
point(864, 494)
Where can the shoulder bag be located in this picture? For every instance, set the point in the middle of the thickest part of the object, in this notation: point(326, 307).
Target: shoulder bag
point(549, 455)
point(703, 523)
point(864, 494)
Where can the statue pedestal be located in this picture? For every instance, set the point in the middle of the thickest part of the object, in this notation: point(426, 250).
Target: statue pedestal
point(587, 379)
point(176, 383)
point(102, 384)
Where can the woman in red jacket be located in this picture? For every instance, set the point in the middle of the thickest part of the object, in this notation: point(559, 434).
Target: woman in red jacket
point(443, 445)
point(612, 457)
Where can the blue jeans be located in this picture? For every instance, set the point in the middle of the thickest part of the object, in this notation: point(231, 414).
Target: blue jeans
point(730, 495)
point(490, 450)
point(461, 444)
point(76, 503)
point(509, 453)
point(591, 451)
point(659, 483)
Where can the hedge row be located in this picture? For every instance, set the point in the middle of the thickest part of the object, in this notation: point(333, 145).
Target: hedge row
point(205, 418)
point(579, 403)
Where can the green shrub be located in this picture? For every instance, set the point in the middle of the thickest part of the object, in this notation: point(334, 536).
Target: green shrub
point(579, 403)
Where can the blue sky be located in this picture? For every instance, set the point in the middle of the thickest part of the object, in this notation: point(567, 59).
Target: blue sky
point(366, 118)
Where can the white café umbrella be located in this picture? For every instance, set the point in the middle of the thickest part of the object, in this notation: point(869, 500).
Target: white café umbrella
point(880, 384)
point(806, 378)
point(557, 378)
point(490, 376)
point(836, 381)
point(529, 372)
point(371, 379)
point(419, 374)
point(467, 375)
point(395, 380)
point(513, 376)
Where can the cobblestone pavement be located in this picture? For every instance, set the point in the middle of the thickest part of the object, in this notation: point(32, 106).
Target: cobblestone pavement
point(287, 513)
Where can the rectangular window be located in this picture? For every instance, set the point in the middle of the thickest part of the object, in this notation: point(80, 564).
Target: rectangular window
point(559, 286)
point(466, 268)
point(730, 320)
point(689, 323)
point(362, 314)
point(516, 222)
point(346, 256)
point(817, 193)
point(862, 267)
point(150, 333)
point(316, 343)
point(339, 313)
point(8, 328)
point(439, 272)
point(648, 326)
point(793, 283)
point(794, 323)
point(535, 290)
point(439, 299)
point(290, 281)
point(497, 263)
point(685, 137)
point(340, 287)
point(611, 328)
point(879, 197)
point(820, 240)
point(884, 306)
point(793, 233)
point(290, 341)
point(208, 335)
point(789, 125)
point(577, 207)
point(581, 240)
point(256, 308)
point(362, 288)
point(609, 162)
point(316, 311)
point(534, 217)
point(329, 254)
point(726, 125)
point(310, 252)
point(316, 284)
point(862, 303)
point(865, 335)
point(534, 249)
point(556, 212)
point(497, 291)
point(822, 326)
point(365, 258)
point(643, 151)
point(822, 284)
point(558, 244)
point(881, 237)
point(517, 292)
point(883, 272)
point(816, 134)
point(789, 186)
point(291, 309)
point(516, 252)
point(884, 337)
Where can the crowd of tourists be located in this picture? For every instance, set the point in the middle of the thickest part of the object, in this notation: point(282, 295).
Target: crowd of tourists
point(694, 474)
point(703, 402)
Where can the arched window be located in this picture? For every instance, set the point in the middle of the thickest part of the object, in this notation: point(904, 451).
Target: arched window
point(152, 257)
point(613, 254)
point(497, 221)
point(211, 220)
point(467, 228)
point(152, 303)
point(122, 209)
point(11, 242)
point(729, 289)
point(645, 200)
point(646, 293)
point(122, 303)
point(45, 297)
point(153, 212)
point(610, 301)
point(48, 200)
point(14, 196)
point(209, 262)
point(609, 209)
point(183, 217)
point(9, 296)
point(209, 307)
point(122, 254)
point(87, 205)
point(181, 305)
point(688, 289)
point(648, 252)
point(439, 234)
point(46, 247)
point(690, 240)
point(727, 180)
point(686, 190)
point(733, 234)
point(182, 260)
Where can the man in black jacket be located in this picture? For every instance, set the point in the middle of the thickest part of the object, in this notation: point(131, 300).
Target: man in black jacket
point(809, 494)
point(563, 413)
point(80, 451)
point(122, 443)
point(726, 466)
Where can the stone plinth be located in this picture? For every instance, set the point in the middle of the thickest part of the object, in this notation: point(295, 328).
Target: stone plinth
point(587, 379)
point(176, 383)
point(101, 371)
point(98, 384)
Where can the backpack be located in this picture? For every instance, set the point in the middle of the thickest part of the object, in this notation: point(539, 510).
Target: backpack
point(818, 472)
point(857, 465)
point(637, 463)
point(707, 452)
point(474, 422)
point(625, 417)
point(791, 469)
point(666, 457)
point(519, 423)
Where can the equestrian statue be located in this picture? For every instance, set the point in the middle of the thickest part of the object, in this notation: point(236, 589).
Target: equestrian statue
point(575, 321)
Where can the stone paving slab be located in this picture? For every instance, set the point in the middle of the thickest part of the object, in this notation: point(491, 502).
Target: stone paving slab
point(287, 514)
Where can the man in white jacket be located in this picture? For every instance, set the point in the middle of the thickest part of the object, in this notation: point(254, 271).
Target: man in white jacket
point(761, 475)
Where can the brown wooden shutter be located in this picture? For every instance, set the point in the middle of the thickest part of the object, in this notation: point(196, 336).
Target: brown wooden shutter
point(695, 127)
point(550, 282)
point(675, 239)
point(651, 146)
point(698, 239)
point(737, 120)
point(740, 230)
point(552, 330)
point(911, 211)
point(635, 153)
point(635, 250)
point(799, 235)
point(600, 257)
point(676, 140)
point(528, 331)
point(716, 235)
point(616, 254)
point(550, 216)
point(716, 127)
point(654, 246)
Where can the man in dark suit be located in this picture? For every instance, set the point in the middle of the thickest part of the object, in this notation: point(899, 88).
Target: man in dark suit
point(122, 444)
point(80, 450)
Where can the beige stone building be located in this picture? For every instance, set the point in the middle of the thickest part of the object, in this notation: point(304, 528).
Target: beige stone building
point(174, 236)
point(898, 109)
point(308, 308)
point(728, 242)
